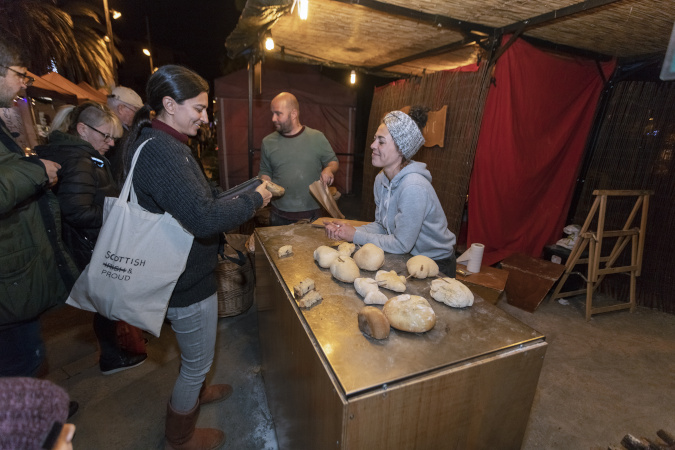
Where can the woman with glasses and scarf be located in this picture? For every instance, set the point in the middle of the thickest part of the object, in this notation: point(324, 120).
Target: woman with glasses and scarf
point(79, 140)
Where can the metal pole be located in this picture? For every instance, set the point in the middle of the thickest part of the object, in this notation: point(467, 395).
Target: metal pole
point(251, 68)
point(111, 42)
point(147, 28)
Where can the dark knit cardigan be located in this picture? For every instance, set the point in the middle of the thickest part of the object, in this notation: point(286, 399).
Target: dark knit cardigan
point(168, 178)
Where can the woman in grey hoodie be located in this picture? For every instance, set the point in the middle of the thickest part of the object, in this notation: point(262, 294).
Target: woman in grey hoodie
point(408, 215)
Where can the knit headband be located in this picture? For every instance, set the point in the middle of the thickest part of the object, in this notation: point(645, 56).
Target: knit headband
point(405, 132)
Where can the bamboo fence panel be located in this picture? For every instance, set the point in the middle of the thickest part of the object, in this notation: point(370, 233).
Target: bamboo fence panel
point(635, 149)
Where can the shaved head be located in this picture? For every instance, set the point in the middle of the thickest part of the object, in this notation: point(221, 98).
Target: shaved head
point(286, 113)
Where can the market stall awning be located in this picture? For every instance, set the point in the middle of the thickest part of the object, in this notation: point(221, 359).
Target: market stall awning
point(418, 36)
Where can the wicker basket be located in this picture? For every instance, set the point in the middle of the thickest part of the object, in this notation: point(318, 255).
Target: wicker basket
point(236, 284)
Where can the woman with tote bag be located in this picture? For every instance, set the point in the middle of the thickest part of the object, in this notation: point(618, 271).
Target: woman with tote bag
point(80, 137)
point(167, 178)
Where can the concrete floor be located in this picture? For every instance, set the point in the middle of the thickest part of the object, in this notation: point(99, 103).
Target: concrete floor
point(601, 380)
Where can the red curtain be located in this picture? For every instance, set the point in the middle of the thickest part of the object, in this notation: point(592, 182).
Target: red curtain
point(536, 121)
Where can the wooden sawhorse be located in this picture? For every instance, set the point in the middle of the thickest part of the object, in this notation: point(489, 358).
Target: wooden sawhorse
point(593, 240)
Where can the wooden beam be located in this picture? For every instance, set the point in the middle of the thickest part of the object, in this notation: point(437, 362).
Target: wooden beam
point(554, 15)
point(433, 52)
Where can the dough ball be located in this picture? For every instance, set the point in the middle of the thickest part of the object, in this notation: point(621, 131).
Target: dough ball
point(369, 257)
point(373, 323)
point(346, 248)
point(375, 298)
point(410, 313)
point(451, 292)
point(275, 189)
point(421, 266)
point(303, 287)
point(325, 256)
point(390, 280)
point(309, 299)
point(286, 250)
point(345, 269)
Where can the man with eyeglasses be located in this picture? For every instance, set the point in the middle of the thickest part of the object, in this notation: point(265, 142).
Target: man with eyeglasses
point(35, 271)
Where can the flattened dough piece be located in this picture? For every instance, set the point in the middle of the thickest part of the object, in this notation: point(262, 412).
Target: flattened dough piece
point(309, 299)
point(375, 298)
point(346, 248)
point(390, 280)
point(275, 189)
point(421, 266)
point(368, 289)
point(325, 256)
point(451, 292)
point(369, 257)
point(303, 287)
point(373, 322)
point(410, 313)
point(345, 269)
point(286, 250)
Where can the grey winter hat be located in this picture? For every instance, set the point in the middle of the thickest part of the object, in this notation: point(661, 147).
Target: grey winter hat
point(405, 132)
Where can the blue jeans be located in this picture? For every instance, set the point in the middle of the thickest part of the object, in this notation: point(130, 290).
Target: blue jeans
point(195, 327)
point(21, 350)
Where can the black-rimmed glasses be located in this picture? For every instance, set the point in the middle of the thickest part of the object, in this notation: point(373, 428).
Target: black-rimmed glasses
point(106, 136)
point(27, 79)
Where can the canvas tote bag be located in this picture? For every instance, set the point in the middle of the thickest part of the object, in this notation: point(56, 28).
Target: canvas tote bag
point(136, 262)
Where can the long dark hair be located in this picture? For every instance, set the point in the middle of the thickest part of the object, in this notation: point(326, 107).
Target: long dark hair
point(177, 82)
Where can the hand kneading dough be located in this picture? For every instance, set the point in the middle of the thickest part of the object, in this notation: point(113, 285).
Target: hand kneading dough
point(369, 257)
point(345, 269)
point(373, 323)
point(346, 248)
point(410, 313)
point(368, 289)
point(303, 287)
point(309, 299)
point(451, 292)
point(390, 280)
point(286, 250)
point(421, 266)
point(325, 256)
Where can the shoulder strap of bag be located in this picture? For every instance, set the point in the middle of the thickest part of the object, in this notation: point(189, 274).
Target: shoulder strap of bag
point(128, 184)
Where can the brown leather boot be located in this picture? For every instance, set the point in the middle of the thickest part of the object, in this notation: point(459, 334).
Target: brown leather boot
point(181, 434)
point(214, 393)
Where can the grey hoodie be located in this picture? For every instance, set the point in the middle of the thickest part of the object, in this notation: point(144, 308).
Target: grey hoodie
point(408, 216)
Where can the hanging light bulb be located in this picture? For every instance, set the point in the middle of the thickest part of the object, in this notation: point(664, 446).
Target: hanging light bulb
point(303, 9)
point(269, 42)
point(352, 77)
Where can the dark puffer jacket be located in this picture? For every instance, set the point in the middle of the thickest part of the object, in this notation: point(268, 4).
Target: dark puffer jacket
point(85, 179)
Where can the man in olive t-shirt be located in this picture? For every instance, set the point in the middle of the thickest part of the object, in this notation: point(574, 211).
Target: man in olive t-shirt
point(294, 157)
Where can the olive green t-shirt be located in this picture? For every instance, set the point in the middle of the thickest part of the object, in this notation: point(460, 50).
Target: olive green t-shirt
point(295, 162)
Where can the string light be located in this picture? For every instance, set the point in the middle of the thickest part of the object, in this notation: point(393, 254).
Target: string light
point(269, 42)
point(303, 9)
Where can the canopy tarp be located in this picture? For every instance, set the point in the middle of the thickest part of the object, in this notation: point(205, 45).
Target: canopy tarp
point(82, 94)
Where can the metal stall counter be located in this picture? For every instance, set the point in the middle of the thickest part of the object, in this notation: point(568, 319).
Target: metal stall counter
point(468, 383)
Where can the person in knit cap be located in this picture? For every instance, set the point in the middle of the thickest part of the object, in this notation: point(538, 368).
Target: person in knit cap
point(33, 413)
point(409, 217)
